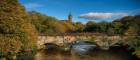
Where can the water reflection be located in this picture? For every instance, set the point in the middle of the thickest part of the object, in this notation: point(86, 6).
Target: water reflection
point(96, 55)
point(83, 47)
point(55, 53)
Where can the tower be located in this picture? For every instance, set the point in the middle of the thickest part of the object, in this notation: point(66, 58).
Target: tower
point(70, 18)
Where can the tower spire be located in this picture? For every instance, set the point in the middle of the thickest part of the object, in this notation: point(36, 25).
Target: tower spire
point(70, 17)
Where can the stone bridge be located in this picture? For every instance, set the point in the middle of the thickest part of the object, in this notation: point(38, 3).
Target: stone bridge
point(102, 41)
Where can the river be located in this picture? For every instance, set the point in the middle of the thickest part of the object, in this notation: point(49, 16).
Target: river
point(114, 53)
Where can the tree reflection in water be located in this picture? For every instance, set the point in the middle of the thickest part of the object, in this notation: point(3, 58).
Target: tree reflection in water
point(112, 54)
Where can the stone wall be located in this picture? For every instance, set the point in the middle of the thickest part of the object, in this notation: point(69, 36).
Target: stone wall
point(61, 40)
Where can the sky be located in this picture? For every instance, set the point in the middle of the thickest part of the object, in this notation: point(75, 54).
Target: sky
point(84, 10)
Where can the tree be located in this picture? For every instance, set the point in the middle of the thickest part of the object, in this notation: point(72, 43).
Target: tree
point(47, 24)
point(131, 21)
point(91, 27)
point(103, 26)
point(60, 28)
point(117, 26)
point(15, 22)
point(79, 27)
point(37, 19)
point(127, 21)
point(132, 30)
point(69, 27)
point(9, 46)
point(137, 21)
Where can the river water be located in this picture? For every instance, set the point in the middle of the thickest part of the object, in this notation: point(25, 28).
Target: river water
point(111, 54)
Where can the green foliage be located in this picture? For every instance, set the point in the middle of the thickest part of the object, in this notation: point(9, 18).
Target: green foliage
point(136, 45)
point(79, 27)
point(91, 27)
point(49, 25)
point(104, 26)
point(137, 52)
point(117, 26)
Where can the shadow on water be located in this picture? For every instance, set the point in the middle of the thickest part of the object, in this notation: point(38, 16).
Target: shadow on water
point(54, 52)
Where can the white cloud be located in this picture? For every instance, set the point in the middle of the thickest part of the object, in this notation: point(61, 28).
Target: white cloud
point(32, 5)
point(98, 15)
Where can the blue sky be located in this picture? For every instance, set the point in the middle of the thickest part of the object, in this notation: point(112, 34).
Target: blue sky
point(84, 10)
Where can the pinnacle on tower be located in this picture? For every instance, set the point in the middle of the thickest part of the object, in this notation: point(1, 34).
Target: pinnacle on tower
point(70, 17)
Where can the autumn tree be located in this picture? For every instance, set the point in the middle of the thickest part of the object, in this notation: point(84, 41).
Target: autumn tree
point(37, 19)
point(137, 21)
point(69, 27)
point(16, 30)
point(47, 24)
point(132, 30)
point(79, 27)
